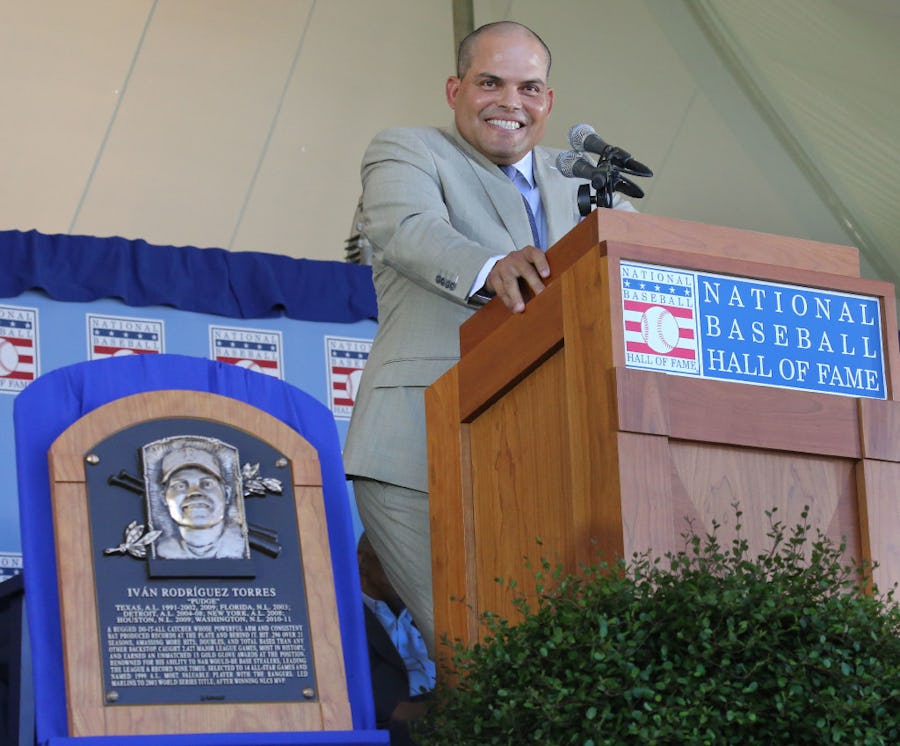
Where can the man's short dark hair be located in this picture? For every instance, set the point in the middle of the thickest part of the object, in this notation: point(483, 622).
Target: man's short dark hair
point(467, 46)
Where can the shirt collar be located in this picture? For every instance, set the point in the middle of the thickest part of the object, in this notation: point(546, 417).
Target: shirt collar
point(526, 168)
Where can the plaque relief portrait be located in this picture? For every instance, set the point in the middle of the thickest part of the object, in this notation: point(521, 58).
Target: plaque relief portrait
point(195, 499)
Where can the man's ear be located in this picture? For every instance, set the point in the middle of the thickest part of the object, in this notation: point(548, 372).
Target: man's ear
point(451, 89)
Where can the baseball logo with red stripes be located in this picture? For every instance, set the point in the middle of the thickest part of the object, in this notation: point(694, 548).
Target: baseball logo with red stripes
point(18, 348)
point(115, 336)
point(255, 349)
point(659, 318)
point(346, 357)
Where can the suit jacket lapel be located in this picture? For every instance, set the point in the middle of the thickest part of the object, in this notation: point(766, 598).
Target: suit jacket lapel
point(507, 202)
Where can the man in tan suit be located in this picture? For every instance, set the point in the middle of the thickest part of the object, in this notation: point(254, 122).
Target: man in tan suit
point(448, 228)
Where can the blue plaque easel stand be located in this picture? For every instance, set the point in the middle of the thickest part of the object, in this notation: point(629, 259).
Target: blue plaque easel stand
point(51, 404)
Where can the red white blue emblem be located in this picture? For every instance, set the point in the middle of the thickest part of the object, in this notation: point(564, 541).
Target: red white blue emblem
point(346, 359)
point(114, 336)
point(255, 349)
point(660, 318)
point(18, 348)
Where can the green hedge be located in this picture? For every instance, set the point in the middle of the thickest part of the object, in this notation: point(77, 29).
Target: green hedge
point(709, 646)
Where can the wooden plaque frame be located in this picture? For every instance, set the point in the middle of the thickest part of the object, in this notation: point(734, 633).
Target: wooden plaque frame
point(88, 715)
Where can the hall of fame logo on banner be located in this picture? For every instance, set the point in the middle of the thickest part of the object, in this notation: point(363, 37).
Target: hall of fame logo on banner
point(345, 360)
point(114, 336)
point(18, 348)
point(256, 349)
point(746, 330)
point(660, 319)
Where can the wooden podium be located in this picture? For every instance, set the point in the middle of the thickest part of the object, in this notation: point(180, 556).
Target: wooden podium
point(541, 431)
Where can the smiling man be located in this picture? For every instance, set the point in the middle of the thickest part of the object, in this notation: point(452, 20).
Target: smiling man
point(449, 228)
point(500, 96)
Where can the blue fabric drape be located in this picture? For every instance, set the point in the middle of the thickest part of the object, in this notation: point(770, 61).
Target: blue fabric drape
point(226, 283)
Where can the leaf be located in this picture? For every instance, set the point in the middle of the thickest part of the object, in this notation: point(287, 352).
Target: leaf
point(133, 532)
point(272, 485)
point(136, 541)
point(149, 537)
point(255, 485)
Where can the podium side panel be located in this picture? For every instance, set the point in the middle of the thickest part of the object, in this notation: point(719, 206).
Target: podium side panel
point(594, 460)
point(520, 486)
point(518, 344)
point(879, 519)
point(449, 503)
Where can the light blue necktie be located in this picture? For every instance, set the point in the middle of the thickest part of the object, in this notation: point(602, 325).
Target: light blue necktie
point(513, 175)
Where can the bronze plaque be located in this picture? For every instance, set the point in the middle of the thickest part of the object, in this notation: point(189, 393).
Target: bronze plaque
point(199, 574)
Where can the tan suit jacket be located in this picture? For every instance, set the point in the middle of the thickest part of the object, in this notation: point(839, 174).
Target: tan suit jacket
point(435, 210)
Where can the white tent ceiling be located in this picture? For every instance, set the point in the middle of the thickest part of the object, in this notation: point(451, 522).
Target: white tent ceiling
point(825, 75)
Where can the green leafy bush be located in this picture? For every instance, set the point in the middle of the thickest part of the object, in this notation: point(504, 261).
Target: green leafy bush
point(709, 646)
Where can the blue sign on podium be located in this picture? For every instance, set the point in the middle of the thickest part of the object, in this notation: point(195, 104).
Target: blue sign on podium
point(728, 328)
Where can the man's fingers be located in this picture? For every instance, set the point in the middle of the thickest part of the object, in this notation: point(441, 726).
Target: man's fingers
point(528, 264)
point(504, 283)
point(510, 294)
point(539, 259)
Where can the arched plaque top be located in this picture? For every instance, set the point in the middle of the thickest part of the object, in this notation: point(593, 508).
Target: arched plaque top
point(119, 414)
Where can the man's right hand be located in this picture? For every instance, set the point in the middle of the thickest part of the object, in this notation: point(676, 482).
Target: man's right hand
point(528, 264)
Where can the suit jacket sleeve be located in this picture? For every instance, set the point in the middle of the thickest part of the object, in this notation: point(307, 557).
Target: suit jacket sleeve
point(429, 209)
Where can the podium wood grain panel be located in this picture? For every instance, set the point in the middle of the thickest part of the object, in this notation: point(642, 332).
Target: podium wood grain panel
point(87, 713)
point(520, 343)
point(880, 509)
point(660, 232)
point(589, 409)
point(880, 426)
point(452, 533)
point(716, 477)
point(520, 486)
point(737, 414)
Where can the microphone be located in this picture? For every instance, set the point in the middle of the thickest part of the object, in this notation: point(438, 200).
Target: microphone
point(571, 164)
point(585, 137)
